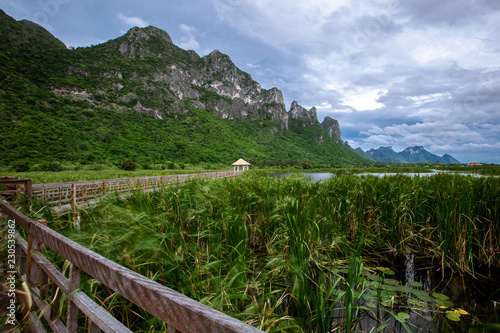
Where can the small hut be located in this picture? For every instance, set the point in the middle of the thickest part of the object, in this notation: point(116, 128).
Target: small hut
point(474, 164)
point(241, 162)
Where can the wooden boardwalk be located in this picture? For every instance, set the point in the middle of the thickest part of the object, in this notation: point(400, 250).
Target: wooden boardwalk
point(47, 283)
point(83, 192)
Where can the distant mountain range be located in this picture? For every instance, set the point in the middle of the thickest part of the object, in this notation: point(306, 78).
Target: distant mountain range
point(417, 154)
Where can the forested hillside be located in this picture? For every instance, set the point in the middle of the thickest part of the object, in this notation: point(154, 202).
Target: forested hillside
point(141, 97)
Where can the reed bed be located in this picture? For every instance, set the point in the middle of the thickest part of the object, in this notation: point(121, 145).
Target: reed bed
point(291, 255)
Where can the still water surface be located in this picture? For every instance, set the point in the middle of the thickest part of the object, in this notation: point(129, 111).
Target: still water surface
point(318, 176)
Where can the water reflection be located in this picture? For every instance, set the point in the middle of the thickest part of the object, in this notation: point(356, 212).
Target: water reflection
point(319, 176)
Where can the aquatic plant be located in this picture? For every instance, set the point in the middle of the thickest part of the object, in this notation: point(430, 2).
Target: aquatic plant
point(292, 255)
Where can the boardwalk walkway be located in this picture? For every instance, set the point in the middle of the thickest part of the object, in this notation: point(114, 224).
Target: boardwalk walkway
point(47, 283)
point(83, 192)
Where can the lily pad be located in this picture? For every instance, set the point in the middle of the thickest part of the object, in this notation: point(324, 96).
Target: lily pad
point(444, 303)
point(414, 301)
point(392, 282)
point(404, 289)
point(439, 296)
point(452, 315)
point(423, 296)
point(386, 271)
point(415, 284)
point(389, 288)
point(403, 316)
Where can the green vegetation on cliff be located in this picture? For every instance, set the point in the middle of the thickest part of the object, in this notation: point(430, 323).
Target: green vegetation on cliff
point(141, 97)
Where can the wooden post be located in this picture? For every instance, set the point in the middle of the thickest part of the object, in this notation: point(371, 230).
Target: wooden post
point(103, 187)
point(74, 285)
point(56, 301)
point(28, 259)
point(43, 277)
point(93, 328)
point(29, 191)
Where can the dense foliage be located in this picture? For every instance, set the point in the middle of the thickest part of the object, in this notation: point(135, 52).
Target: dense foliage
point(285, 254)
point(41, 126)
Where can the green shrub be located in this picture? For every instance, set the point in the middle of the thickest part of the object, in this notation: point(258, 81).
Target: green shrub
point(129, 165)
point(171, 165)
point(50, 166)
point(22, 167)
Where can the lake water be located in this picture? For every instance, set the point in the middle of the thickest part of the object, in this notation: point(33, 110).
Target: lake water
point(318, 176)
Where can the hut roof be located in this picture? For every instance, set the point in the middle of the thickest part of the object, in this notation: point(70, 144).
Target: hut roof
point(474, 164)
point(241, 162)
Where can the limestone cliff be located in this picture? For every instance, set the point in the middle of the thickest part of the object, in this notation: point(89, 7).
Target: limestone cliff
point(332, 128)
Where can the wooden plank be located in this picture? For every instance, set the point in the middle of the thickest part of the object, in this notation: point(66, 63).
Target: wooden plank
point(175, 309)
point(170, 329)
point(97, 315)
point(72, 312)
point(55, 325)
point(93, 328)
point(55, 275)
point(34, 323)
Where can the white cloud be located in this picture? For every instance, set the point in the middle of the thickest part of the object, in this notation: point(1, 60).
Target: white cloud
point(132, 21)
point(188, 39)
point(190, 44)
point(187, 29)
point(363, 99)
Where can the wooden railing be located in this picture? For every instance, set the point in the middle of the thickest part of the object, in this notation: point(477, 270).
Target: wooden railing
point(46, 283)
point(84, 191)
point(14, 186)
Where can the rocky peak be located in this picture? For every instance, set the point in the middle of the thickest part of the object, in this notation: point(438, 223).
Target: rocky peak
point(134, 43)
point(219, 61)
point(25, 31)
point(414, 150)
point(332, 128)
point(298, 112)
point(138, 34)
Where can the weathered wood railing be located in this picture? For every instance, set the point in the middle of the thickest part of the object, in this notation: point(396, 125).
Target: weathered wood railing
point(46, 282)
point(15, 185)
point(83, 191)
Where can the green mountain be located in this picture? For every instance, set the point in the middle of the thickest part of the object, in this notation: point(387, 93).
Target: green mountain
point(417, 154)
point(141, 97)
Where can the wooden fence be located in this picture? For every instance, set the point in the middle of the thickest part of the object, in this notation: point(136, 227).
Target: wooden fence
point(14, 186)
point(46, 282)
point(84, 191)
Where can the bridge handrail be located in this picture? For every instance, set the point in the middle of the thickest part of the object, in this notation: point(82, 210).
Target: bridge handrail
point(83, 191)
point(179, 312)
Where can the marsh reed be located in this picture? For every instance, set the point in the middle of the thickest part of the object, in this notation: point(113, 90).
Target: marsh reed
point(291, 255)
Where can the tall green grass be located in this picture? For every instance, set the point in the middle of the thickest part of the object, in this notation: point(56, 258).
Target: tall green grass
point(291, 255)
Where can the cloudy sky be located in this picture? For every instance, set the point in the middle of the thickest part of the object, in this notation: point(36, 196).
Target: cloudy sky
point(394, 73)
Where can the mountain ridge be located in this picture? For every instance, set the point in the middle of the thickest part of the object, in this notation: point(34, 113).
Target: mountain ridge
point(415, 154)
point(141, 96)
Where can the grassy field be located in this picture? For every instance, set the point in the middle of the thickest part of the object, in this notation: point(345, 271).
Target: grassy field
point(289, 255)
point(40, 177)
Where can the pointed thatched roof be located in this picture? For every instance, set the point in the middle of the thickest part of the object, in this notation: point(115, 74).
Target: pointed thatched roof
point(241, 162)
